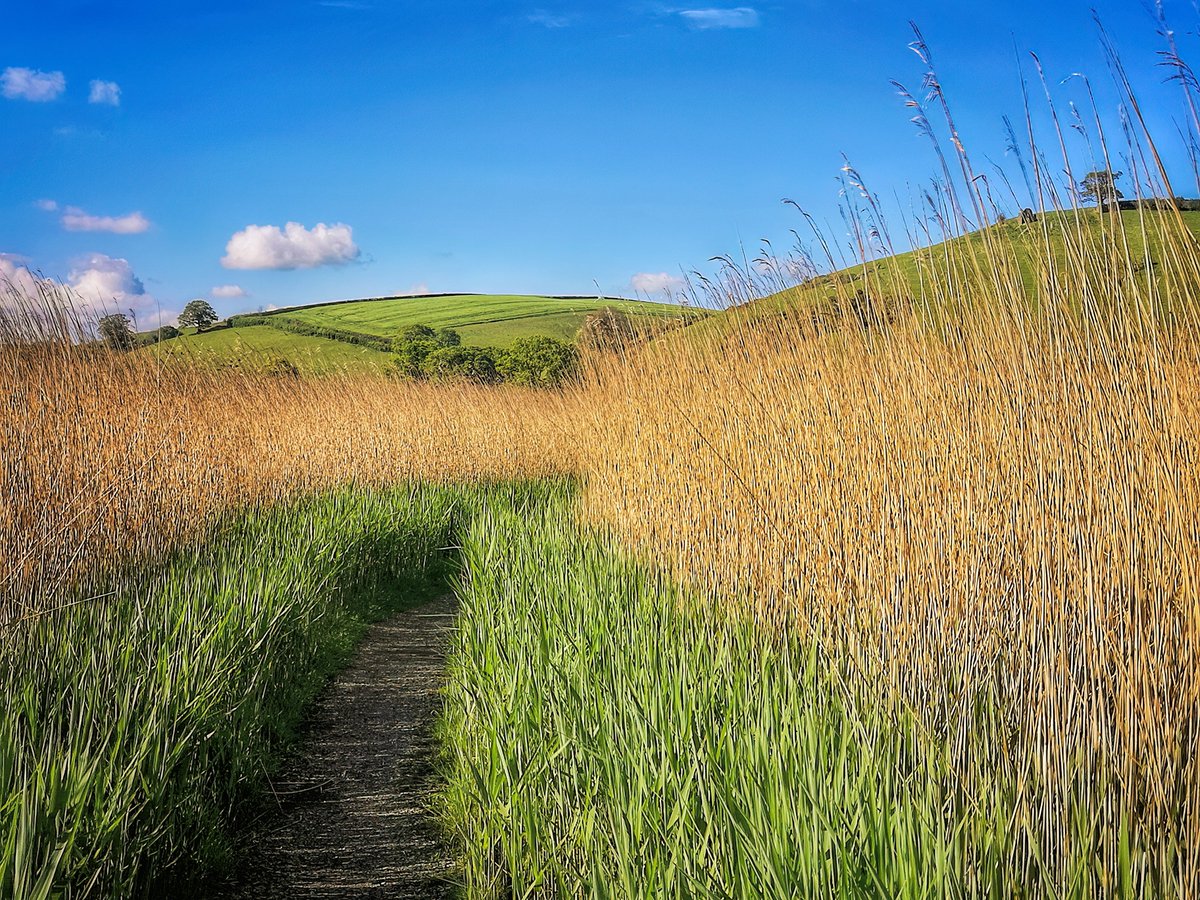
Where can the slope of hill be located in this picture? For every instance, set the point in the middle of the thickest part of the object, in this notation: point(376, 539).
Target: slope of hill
point(355, 335)
point(264, 347)
point(1070, 242)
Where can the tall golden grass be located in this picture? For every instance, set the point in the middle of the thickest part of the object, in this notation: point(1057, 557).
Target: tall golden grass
point(109, 459)
point(982, 498)
point(972, 477)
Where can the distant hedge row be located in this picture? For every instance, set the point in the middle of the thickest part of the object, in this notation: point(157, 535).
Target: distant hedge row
point(299, 326)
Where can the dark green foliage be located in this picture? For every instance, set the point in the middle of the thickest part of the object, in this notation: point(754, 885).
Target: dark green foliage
point(411, 356)
point(158, 335)
point(414, 333)
point(198, 314)
point(421, 352)
point(476, 364)
point(539, 362)
point(439, 355)
point(116, 330)
point(1101, 187)
point(297, 326)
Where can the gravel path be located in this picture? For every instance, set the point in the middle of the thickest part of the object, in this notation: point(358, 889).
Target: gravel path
point(352, 818)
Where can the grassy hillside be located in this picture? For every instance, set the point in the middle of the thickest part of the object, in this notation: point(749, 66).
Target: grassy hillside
point(355, 335)
point(484, 320)
point(262, 347)
point(1068, 241)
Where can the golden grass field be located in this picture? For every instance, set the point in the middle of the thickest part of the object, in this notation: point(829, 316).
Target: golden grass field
point(109, 459)
point(981, 499)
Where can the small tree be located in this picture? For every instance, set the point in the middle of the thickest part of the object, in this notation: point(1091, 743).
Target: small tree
point(198, 314)
point(117, 332)
point(416, 342)
point(476, 364)
point(415, 333)
point(538, 361)
point(1101, 187)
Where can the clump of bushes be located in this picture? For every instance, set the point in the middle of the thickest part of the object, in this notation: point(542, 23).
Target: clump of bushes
point(424, 353)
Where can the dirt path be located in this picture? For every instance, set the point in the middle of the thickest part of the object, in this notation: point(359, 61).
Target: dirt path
point(351, 818)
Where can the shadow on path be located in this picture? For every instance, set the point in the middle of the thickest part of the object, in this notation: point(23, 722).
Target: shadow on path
point(351, 819)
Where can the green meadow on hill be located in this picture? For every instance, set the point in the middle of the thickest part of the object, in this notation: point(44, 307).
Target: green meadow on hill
point(936, 272)
point(356, 336)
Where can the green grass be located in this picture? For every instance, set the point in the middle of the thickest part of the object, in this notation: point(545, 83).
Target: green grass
point(486, 320)
point(134, 724)
point(912, 272)
point(263, 347)
point(357, 333)
point(607, 735)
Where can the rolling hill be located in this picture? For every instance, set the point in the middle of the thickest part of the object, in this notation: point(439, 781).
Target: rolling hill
point(1070, 243)
point(356, 335)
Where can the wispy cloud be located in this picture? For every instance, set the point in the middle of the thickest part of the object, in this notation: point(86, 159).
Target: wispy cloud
point(290, 247)
point(75, 219)
point(29, 84)
point(657, 283)
point(548, 20)
point(705, 19)
point(228, 292)
point(107, 93)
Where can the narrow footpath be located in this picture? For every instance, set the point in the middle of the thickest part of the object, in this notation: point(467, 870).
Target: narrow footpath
point(351, 818)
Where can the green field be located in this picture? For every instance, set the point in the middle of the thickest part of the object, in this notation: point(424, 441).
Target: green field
point(1064, 237)
point(485, 320)
point(355, 334)
point(260, 346)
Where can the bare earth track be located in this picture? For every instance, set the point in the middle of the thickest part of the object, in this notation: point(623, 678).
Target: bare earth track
point(352, 817)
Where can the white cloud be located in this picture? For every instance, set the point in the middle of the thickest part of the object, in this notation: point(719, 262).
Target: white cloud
point(738, 17)
point(28, 84)
point(99, 285)
point(106, 281)
point(292, 247)
point(105, 92)
point(657, 283)
point(46, 205)
point(106, 284)
point(228, 292)
point(548, 20)
point(75, 219)
point(16, 278)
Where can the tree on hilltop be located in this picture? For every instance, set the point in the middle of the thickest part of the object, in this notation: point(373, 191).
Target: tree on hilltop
point(198, 314)
point(1100, 187)
point(116, 330)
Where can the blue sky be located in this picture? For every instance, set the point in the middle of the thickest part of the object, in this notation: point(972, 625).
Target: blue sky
point(158, 151)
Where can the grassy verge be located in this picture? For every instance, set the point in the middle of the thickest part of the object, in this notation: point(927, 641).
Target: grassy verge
point(607, 736)
point(133, 724)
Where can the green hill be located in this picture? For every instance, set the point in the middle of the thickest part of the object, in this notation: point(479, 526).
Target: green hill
point(356, 335)
point(1080, 245)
